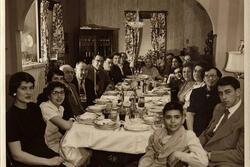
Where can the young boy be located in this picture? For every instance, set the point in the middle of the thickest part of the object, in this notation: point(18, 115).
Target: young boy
point(173, 144)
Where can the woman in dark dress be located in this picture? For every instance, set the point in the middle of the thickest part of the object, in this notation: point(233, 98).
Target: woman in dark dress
point(25, 127)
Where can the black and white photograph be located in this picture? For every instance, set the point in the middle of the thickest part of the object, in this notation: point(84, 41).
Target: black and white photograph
point(124, 83)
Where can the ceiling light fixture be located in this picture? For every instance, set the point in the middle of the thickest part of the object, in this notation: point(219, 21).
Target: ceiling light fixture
point(137, 23)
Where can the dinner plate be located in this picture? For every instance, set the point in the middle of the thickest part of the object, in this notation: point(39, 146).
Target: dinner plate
point(143, 76)
point(136, 127)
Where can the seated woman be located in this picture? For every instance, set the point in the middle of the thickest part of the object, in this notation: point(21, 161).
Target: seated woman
point(173, 144)
point(57, 75)
point(198, 74)
point(25, 126)
point(163, 67)
point(150, 70)
point(176, 63)
point(175, 81)
point(187, 73)
point(52, 112)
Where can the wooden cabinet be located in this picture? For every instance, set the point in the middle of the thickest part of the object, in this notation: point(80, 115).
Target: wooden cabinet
point(97, 40)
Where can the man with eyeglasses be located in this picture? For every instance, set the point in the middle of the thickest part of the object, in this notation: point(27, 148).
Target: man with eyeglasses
point(99, 80)
point(203, 100)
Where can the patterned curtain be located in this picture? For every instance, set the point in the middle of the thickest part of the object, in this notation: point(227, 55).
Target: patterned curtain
point(58, 48)
point(44, 30)
point(132, 37)
point(158, 31)
point(52, 35)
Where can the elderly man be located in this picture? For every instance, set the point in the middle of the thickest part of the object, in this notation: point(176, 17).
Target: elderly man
point(99, 80)
point(73, 97)
point(202, 102)
point(224, 137)
point(80, 81)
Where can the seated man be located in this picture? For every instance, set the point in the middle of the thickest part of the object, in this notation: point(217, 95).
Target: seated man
point(73, 97)
point(224, 137)
point(124, 65)
point(99, 80)
point(116, 71)
point(81, 74)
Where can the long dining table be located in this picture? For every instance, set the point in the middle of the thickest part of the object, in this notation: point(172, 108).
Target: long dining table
point(118, 139)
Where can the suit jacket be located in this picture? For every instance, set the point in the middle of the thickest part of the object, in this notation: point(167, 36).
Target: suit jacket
point(116, 74)
point(102, 81)
point(73, 99)
point(227, 142)
point(126, 69)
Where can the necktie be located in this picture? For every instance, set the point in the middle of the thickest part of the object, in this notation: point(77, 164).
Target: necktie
point(82, 91)
point(225, 118)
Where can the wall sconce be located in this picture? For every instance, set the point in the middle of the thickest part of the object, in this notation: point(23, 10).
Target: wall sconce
point(235, 63)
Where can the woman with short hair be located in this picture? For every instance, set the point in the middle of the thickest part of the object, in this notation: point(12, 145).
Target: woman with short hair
point(150, 70)
point(25, 126)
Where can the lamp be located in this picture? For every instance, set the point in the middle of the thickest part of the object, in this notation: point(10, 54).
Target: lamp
point(137, 23)
point(235, 63)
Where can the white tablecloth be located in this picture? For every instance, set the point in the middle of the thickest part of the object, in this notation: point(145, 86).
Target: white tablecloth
point(81, 135)
point(124, 141)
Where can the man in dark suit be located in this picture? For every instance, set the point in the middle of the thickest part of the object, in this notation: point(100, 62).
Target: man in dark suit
point(73, 97)
point(202, 102)
point(124, 65)
point(99, 80)
point(81, 80)
point(224, 137)
point(116, 73)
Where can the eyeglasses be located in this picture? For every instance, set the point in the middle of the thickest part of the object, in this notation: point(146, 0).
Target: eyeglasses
point(58, 93)
point(210, 76)
point(177, 72)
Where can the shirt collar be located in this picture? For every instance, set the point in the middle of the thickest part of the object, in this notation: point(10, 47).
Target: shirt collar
point(54, 106)
point(234, 108)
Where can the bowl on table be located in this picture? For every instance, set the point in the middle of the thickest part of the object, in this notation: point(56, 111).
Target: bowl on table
point(105, 124)
point(96, 108)
point(130, 76)
point(102, 101)
point(87, 118)
point(149, 119)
